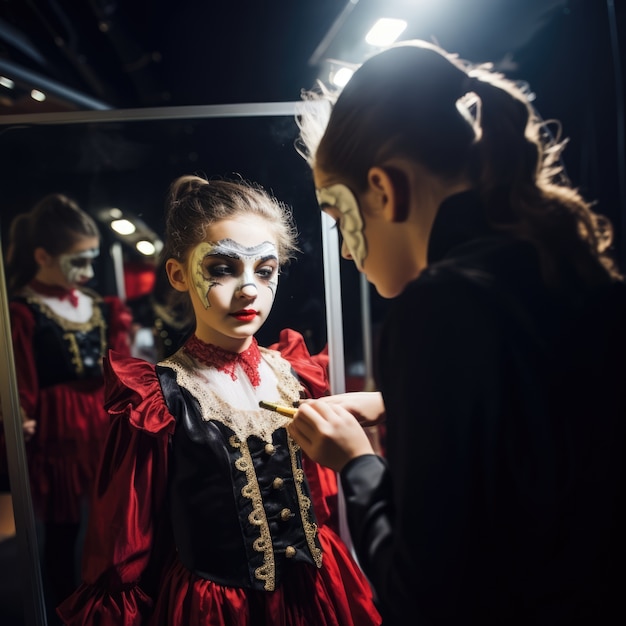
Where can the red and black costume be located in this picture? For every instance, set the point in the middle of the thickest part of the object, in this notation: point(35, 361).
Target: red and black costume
point(59, 339)
point(205, 511)
point(58, 366)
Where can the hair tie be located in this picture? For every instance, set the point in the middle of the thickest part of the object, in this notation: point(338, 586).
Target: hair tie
point(470, 83)
point(469, 106)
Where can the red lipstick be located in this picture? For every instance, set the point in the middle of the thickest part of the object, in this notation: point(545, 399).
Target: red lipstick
point(245, 315)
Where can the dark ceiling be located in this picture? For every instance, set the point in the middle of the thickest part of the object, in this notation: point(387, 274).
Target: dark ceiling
point(153, 53)
point(147, 54)
point(108, 57)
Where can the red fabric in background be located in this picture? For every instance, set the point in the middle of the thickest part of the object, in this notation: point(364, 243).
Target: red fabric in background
point(139, 279)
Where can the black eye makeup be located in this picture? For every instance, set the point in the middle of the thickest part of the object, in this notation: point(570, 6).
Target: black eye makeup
point(216, 267)
point(81, 262)
point(266, 272)
point(212, 268)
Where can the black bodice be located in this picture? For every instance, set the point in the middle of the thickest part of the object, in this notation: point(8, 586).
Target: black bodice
point(66, 351)
point(241, 509)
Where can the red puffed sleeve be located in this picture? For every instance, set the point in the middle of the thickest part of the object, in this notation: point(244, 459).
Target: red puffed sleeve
point(127, 501)
point(312, 370)
point(119, 325)
point(22, 332)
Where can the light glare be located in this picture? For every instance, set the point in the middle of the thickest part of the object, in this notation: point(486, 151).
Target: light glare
point(145, 247)
point(342, 76)
point(385, 31)
point(123, 227)
point(35, 94)
point(6, 82)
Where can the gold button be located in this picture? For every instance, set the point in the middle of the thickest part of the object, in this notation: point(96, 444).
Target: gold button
point(285, 514)
point(269, 448)
point(290, 552)
point(277, 483)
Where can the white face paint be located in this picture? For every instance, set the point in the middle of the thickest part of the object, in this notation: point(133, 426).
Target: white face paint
point(226, 264)
point(339, 197)
point(77, 267)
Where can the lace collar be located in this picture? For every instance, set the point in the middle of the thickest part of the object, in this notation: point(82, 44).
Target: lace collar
point(226, 361)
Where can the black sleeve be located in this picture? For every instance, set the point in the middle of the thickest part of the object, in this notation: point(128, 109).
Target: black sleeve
point(416, 524)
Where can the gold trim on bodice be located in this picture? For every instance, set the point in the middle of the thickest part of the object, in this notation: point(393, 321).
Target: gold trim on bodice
point(260, 423)
point(70, 327)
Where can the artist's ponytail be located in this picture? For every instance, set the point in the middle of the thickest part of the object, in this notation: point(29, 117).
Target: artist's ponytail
point(517, 168)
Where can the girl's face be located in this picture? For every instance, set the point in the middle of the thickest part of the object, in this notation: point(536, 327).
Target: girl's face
point(232, 278)
point(72, 268)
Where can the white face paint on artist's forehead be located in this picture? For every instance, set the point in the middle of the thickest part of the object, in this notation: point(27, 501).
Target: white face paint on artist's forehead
point(254, 266)
point(342, 199)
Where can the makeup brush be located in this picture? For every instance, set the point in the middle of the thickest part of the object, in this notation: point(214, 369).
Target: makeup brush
point(288, 411)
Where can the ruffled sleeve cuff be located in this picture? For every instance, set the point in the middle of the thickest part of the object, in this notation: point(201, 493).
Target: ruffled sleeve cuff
point(132, 388)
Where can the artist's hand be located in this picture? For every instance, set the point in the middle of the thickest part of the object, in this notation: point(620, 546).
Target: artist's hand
point(329, 434)
point(366, 406)
point(29, 428)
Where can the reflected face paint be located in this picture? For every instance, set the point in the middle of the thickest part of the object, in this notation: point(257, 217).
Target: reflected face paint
point(230, 268)
point(341, 199)
point(77, 267)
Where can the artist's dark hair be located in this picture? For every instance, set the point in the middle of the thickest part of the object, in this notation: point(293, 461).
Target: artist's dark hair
point(55, 224)
point(194, 203)
point(416, 101)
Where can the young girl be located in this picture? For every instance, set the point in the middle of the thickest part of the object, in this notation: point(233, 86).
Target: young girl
point(60, 332)
point(205, 512)
point(501, 362)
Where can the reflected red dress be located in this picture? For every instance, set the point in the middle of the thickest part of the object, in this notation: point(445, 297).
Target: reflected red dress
point(205, 511)
point(58, 365)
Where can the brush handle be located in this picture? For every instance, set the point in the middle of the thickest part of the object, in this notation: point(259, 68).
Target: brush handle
point(288, 411)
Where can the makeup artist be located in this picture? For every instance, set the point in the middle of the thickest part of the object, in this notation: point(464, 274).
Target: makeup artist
point(502, 496)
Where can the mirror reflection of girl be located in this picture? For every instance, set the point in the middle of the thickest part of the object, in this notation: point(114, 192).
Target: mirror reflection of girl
point(60, 332)
point(205, 512)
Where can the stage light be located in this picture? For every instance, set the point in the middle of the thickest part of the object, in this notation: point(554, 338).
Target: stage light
point(385, 31)
point(146, 248)
point(35, 94)
point(123, 227)
point(341, 77)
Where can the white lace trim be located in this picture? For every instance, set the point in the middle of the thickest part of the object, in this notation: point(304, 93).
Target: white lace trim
point(236, 403)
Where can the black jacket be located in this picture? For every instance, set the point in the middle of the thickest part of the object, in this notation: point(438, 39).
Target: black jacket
point(502, 496)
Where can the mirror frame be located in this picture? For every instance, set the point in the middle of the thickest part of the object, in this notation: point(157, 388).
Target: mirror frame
point(28, 552)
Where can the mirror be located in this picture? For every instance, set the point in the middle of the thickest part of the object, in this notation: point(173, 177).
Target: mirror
point(126, 160)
